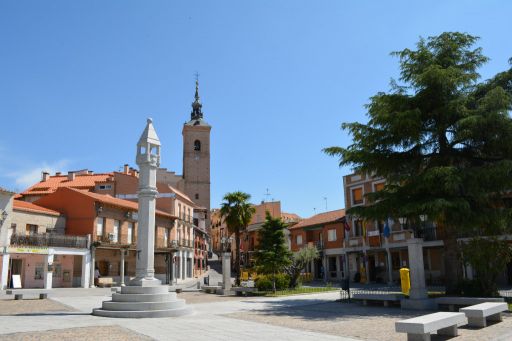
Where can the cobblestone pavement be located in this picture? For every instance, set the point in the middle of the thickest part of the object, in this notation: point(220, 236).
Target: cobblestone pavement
point(12, 307)
point(111, 333)
point(366, 323)
point(306, 317)
point(199, 297)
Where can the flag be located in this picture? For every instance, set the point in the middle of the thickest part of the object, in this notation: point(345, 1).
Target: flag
point(346, 225)
point(387, 231)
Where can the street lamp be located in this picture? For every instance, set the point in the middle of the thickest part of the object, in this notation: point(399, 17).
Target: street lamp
point(403, 222)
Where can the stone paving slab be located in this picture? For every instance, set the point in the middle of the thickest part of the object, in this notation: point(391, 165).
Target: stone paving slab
point(111, 333)
point(365, 323)
point(12, 307)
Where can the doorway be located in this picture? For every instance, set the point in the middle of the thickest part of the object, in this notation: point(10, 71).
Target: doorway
point(16, 268)
point(371, 268)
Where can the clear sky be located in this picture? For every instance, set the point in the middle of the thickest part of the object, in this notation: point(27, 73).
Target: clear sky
point(277, 78)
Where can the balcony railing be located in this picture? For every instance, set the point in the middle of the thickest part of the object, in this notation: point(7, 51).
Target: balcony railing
point(121, 240)
point(317, 243)
point(186, 243)
point(49, 239)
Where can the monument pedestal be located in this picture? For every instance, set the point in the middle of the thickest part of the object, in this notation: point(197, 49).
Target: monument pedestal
point(418, 295)
point(143, 301)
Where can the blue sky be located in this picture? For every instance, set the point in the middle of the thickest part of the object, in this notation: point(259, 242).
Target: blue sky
point(277, 78)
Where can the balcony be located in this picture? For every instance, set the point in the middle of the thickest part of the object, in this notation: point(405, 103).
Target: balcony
point(109, 240)
point(49, 239)
point(354, 241)
point(317, 243)
point(189, 243)
point(400, 236)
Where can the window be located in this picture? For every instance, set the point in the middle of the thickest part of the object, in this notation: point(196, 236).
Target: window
point(129, 233)
point(99, 226)
point(166, 236)
point(115, 234)
point(378, 186)
point(358, 227)
point(332, 263)
point(331, 235)
point(357, 196)
point(31, 229)
point(197, 196)
point(197, 145)
point(105, 186)
point(299, 239)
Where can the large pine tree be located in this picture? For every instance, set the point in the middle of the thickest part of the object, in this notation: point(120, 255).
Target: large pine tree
point(272, 254)
point(443, 141)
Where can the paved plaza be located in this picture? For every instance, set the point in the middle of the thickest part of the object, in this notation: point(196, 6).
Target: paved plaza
point(66, 316)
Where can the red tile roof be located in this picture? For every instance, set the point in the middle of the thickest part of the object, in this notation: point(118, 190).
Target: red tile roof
point(26, 206)
point(110, 200)
point(81, 181)
point(321, 218)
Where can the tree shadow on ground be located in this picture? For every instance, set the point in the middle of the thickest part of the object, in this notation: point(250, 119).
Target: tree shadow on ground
point(322, 310)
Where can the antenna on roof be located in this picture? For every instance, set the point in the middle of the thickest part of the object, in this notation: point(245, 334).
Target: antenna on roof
point(325, 198)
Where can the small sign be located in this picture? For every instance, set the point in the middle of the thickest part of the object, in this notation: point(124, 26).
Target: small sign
point(41, 251)
point(16, 281)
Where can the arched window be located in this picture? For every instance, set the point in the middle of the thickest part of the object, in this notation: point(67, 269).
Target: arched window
point(197, 145)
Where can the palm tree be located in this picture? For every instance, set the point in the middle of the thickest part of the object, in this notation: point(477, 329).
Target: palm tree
point(237, 213)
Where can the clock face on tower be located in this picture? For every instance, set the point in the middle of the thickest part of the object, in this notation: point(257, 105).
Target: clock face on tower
point(196, 157)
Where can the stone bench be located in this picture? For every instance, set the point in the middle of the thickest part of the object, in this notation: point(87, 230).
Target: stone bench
point(419, 328)
point(18, 294)
point(386, 299)
point(105, 282)
point(243, 290)
point(479, 314)
point(453, 302)
point(211, 289)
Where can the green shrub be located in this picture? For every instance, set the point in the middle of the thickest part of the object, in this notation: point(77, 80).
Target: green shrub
point(264, 282)
point(282, 281)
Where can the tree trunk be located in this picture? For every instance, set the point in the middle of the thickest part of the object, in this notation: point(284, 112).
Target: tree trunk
point(452, 265)
point(237, 253)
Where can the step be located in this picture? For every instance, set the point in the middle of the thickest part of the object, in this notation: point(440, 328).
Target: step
point(162, 289)
point(137, 306)
point(143, 313)
point(143, 297)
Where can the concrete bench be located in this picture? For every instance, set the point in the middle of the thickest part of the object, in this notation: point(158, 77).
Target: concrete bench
point(419, 328)
point(18, 294)
point(453, 302)
point(105, 282)
point(243, 290)
point(479, 314)
point(386, 299)
point(211, 289)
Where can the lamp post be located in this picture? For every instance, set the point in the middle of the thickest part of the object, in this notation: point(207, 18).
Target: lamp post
point(403, 222)
point(422, 232)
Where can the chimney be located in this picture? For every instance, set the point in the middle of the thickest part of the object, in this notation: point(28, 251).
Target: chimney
point(45, 176)
point(58, 173)
point(71, 176)
point(126, 169)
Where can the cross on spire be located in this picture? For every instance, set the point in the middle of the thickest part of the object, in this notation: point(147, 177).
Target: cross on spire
point(197, 113)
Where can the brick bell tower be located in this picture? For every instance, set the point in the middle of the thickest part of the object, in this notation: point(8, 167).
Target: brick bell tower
point(196, 156)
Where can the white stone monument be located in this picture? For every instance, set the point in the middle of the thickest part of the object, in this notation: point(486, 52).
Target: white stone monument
point(145, 296)
point(418, 295)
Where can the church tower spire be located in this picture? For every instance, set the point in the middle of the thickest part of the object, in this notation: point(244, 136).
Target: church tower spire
point(197, 112)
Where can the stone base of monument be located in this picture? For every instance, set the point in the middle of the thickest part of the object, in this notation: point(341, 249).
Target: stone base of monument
point(140, 302)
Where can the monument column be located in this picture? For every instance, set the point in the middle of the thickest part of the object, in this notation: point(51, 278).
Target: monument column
point(148, 160)
point(123, 253)
point(145, 296)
